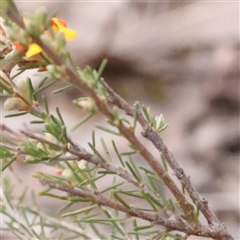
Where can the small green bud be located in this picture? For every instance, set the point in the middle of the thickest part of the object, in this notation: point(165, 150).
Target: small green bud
point(15, 33)
point(82, 165)
point(56, 72)
point(69, 175)
point(87, 104)
point(36, 24)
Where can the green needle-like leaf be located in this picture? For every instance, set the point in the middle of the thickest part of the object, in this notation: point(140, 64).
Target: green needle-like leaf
point(79, 211)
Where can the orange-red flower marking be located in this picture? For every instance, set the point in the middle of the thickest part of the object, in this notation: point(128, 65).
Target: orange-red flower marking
point(57, 25)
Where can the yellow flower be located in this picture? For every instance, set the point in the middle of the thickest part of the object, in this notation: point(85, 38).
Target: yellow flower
point(57, 25)
point(60, 25)
point(33, 49)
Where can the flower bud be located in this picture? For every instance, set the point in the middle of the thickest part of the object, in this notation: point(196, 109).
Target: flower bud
point(56, 72)
point(15, 103)
point(23, 89)
point(36, 24)
point(87, 104)
point(15, 33)
point(69, 175)
point(82, 165)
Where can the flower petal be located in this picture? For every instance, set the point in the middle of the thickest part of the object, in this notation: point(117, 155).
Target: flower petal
point(60, 25)
point(17, 46)
point(69, 34)
point(33, 49)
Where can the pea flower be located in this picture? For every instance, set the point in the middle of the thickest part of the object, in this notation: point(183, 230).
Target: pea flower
point(58, 25)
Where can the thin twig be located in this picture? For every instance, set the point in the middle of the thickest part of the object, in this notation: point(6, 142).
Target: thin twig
point(82, 154)
point(157, 141)
point(104, 107)
point(170, 223)
point(74, 79)
point(12, 148)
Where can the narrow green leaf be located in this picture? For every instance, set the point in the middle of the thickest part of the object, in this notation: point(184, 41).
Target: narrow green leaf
point(31, 89)
point(114, 221)
point(87, 217)
point(147, 198)
point(5, 153)
point(108, 130)
point(195, 216)
point(128, 153)
point(121, 200)
point(15, 115)
point(133, 147)
point(40, 89)
point(106, 150)
point(75, 170)
point(60, 116)
point(135, 168)
point(93, 139)
point(106, 172)
point(56, 179)
point(6, 88)
point(9, 163)
point(64, 207)
point(171, 205)
point(135, 114)
point(55, 121)
point(27, 228)
point(36, 122)
point(133, 171)
point(53, 195)
point(112, 187)
point(33, 196)
point(163, 128)
point(118, 238)
point(85, 119)
point(7, 140)
point(153, 184)
point(135, 227)
point(130, 193)
point(97, 153)
point(42, 82)
point(102, 67)
point(157, 190)
point(22, 197)
point(154, 200)
point(63, 89)
point(183, 189)
point(103, 221)
point(45, 103)
point(146, 112)
point(95, 75)
point(143, 227)
point(79, 211)
point(33, 150)
point(119, 156)
point(20, 235)
point(96, 231)
point(86, 182)
point(146, 170)
point(164, 162)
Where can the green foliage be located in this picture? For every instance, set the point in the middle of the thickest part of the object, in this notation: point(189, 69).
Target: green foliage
point(139, 199)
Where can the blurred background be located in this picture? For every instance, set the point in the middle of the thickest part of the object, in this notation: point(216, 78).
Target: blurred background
point(182, 60)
